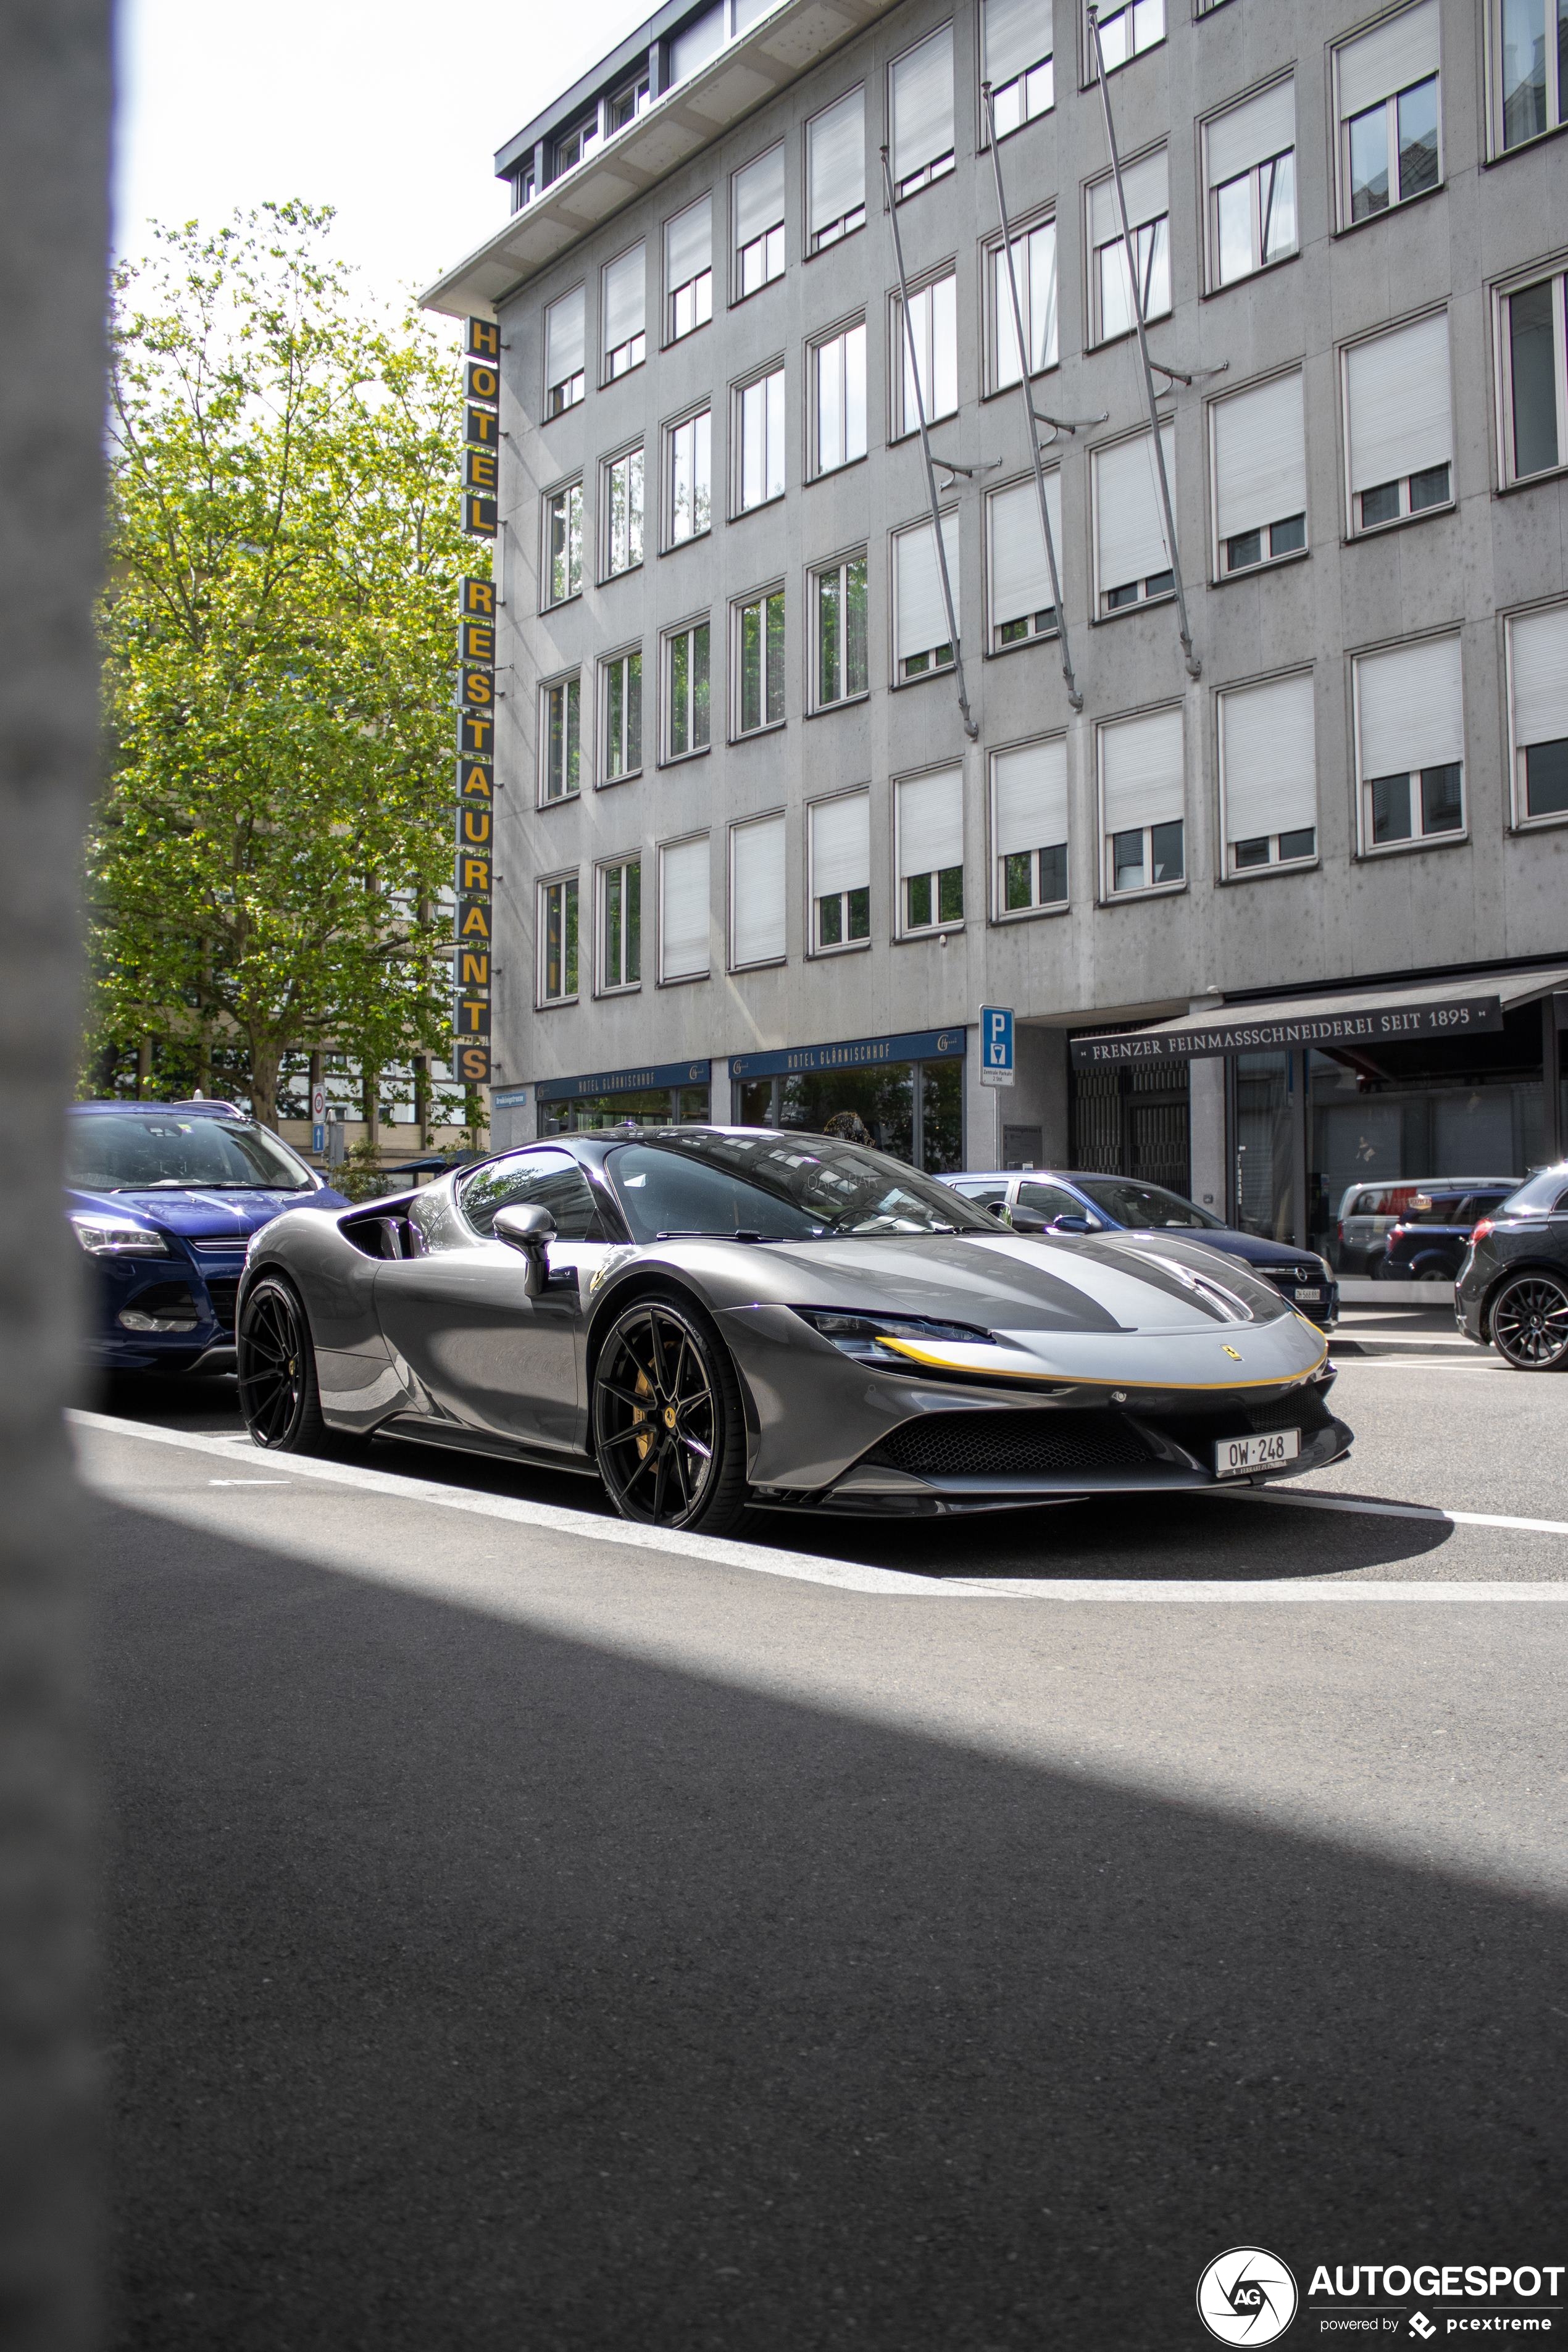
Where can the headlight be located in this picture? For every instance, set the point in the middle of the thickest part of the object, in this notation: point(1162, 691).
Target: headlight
point(856, 1335)
point(102, 1237)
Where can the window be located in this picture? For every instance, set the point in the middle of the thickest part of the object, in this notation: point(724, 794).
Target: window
point(1146, 186)
point(623, 512)
point(929, 824)
point(1400, 424)
point(759, 441)
point(622, 286)
point(1387, 93)
point(621, 718)
point(686, 715)
point(1142, 792)
point(758, 201)
point(1537, 709)
point(626, 104)
point(1018, 577)
point(1249, 167)
point(691, 448)
point(559, 738)
point(563, 544)
point(1132, 563)
point(835, 171)
point(688, 270)
point(1016, 44)
point(574, 146)
point(839, 670)
point(920, 111)
point(1029, 827)
point(558, 940)
point(565, 380)
point(683, 909)
point(759, 641)
point(1410, 743)
point(1534, 337)
point(839, 400)
point(1531, 68)
point(840, 853)
point(757, 892)
point(534, 1180)
point(933, 317)
point(1125, 32)
point(1259, 475)
point(921, 640)
point(1268, 774)
point(620, 924)
point(1035, 261)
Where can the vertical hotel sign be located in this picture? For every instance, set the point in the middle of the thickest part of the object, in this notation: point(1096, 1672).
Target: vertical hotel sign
point(474, 875)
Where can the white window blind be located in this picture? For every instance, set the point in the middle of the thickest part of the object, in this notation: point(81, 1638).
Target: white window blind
point(931, 822)
point(563, 335)
point(1141, 771)
point(922, 104)
point(625, 279)
point(835, 161)
point(760, 196)
point(922, 618)
point(1029, 789)
point(683, 908)
point(1410, 708)
point(690, 50)
point(841, 845)
point(1390, 58)
point(1250, 134)
point(1259, 456)
point(1397, 394)
point(689, 243)
point(1017, 33)
point(1128, 530)
point(1268, 757)
point(757, 883)
point(1147, 187)
point(1020, 575)
point(1540, 646)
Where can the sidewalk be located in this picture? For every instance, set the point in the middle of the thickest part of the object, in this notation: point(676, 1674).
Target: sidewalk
point(1405, 1331)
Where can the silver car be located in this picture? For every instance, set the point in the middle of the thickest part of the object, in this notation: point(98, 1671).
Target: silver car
point(708, 1319)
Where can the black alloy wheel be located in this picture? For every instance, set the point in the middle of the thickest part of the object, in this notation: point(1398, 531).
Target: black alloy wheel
point(1530, 1323)
point(668, 1428)
point(278, 1397)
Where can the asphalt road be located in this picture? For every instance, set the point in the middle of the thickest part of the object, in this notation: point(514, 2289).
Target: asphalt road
point(521, 1936)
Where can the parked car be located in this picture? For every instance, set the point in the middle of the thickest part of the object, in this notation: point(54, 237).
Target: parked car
point(163, 1198)
point(1428, 1242)
point(1369, 1212)
point(1513, 1286)
point(1040, 1201)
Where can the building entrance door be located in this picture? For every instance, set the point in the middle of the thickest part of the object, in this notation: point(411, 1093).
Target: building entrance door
point(1133, 1122)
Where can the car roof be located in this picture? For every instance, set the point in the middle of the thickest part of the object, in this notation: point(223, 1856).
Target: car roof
point(206, 1107)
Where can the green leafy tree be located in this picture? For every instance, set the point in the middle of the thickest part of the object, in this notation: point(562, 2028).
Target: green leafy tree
point(267, 865)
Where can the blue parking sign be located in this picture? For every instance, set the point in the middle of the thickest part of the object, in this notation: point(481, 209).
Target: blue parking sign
point(995, 1044)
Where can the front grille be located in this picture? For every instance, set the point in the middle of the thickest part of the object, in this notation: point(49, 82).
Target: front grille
point(1303, 1409)
point(224, 1296)
point(981, 1445)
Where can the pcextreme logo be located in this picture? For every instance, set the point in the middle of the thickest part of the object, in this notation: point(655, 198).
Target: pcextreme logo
point(1246, 2297)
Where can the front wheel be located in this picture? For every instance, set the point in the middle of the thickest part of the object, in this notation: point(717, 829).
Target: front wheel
point(669, 1431)
point(278, 1397)
point(1530, 1323)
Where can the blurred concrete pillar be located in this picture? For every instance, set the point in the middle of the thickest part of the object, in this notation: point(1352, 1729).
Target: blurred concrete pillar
point(55, 89)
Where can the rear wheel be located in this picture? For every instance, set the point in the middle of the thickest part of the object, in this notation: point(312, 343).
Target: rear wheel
point(1530, 1323)
point(279, 1395)
point(669, 1431)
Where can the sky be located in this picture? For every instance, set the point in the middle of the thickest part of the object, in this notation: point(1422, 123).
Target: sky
point(391, 112)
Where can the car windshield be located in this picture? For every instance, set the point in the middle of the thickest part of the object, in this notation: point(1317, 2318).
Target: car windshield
point(1143, 1206)
point(776, 1187)
point(144, 1151)
point(1547, 1189)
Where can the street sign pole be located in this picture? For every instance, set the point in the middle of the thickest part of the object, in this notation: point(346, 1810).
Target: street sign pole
point(318, 1119)
point(997, 1062)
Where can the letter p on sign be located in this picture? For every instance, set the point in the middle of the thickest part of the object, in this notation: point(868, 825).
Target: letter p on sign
point(995, 1044)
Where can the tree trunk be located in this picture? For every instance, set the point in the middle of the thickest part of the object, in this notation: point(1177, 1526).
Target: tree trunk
point(370, 1105)
point(266, 1062)
point(422, 1098)
point(144, 1068)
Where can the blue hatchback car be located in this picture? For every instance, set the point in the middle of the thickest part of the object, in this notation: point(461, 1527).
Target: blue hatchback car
point(163, 1198)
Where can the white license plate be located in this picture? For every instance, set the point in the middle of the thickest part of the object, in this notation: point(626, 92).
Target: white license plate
point(1315, 1295)
point(1232, 1455)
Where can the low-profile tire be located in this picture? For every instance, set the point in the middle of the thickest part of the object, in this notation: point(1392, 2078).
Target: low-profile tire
point(279, 1395)
point(670, 1434)
point(1530, 1322)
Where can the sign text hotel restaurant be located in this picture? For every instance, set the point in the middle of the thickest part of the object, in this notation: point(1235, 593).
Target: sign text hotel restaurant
point(473, 877)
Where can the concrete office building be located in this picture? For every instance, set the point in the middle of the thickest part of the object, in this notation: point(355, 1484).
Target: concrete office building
point(752, 864)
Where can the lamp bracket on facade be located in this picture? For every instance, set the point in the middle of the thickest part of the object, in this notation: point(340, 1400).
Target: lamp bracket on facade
point(1197, 375)
point(1071, 424)
point(949, 467)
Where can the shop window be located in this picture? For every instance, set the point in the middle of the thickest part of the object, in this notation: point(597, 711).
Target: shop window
point(1019, 597)
point(933, 326)
point(1029, 827)
point(620, 924)
point(1400, 419)
point(929, 823)
point(623, 299)
point(565, 376)
point(758, 689)
point(1268, 782)
point(835, 171)
point(839, 666)
point(1386, 85)
point(838, 383)
point(620, 721)
point(920, 111)
point(1142, 788)
point(559, 738)
point(1249, 168)
point(1260, 466)
point(1146, 186)
point(1016, 46)
point(1034, 252)
point(757, 202)
point(922, 642)
point(558, 940)
point(840, 854)
point(1132, 563)
point(1410, 744)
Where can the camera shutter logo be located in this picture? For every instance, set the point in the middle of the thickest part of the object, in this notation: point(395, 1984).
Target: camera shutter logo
point(1246, 2297)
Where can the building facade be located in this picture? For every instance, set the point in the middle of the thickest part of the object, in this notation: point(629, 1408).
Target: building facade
point(752, 862)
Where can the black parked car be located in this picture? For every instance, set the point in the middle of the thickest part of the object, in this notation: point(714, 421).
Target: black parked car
point(1428, 1240)
point(1512, 1288)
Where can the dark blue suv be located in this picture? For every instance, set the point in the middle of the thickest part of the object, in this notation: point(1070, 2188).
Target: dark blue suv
point(1428, 1240)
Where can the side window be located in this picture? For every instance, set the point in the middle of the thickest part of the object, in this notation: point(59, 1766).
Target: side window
point(544, 1180)
point(1050, 1200)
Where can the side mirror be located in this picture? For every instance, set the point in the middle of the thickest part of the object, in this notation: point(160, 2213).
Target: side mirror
point(531, 1231)
point(1028, 1221)
point(1071, 1225)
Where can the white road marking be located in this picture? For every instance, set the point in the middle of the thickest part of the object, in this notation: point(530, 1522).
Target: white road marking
point(763, 1559)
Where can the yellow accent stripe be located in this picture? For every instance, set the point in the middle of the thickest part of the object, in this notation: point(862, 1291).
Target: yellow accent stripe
point(1079, 1380)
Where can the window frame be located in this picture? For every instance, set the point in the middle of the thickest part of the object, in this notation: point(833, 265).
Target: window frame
point(938, 668)
point(602, 870)
point(1228, 872)
point(668, 543)
point(608, 373)
point(606, 663)
point(560, 682)
point(999, 914)
point(581, 376)
point(941, 166)
point(1519, 818)
point(814, 945)
point(1407, 514)
point(1497, 149)
point(550, 602)
point(751, 382)
point(1213, 284)
point(608, 569)
point(899, 428)
point(814, 471)
point(669, 333)
point(732, 962)
point(680, 841)
point(1098, 338)
point(936, 928)
point(738, 291)
point(991, 312)
point(1032, 636)
point(1503, 293)
point(667, 638)
point(1366, 848)
point(1098, 590)
point(1220, 573)
point(846, 225)
point(1341, 131)
point(1027, 115)
point(566, 879)
point(1110, 895)
point(1086, 78)
point(816, 572)
point(739, 606)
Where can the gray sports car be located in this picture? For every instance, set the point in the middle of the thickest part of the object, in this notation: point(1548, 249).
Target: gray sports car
point(712, 1317)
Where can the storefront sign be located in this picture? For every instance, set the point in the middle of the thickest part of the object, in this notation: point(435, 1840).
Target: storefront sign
point(854, 1054)
point(472, 874)
point(481, 429)
point(626, 1082)
point(1365, 1026)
